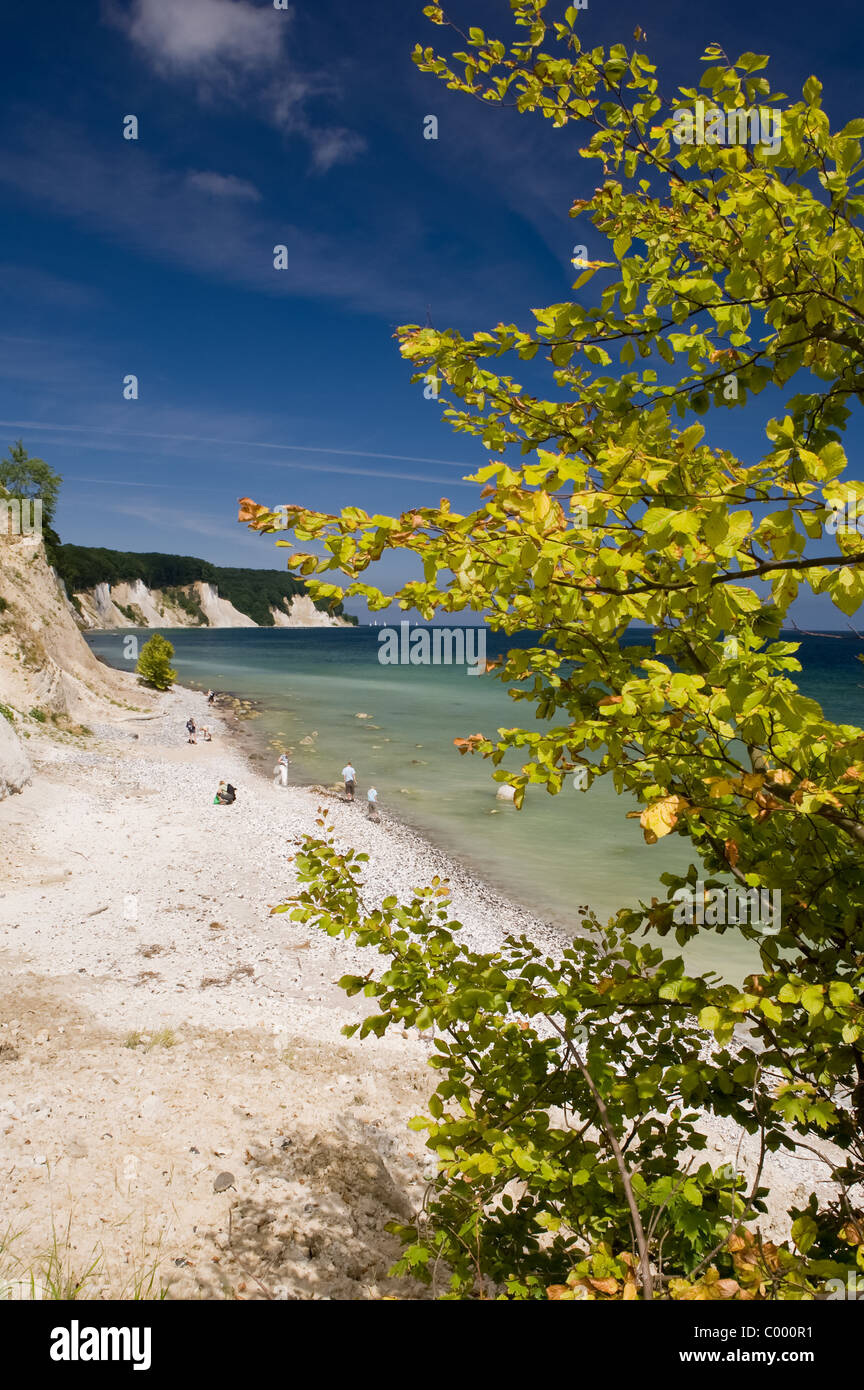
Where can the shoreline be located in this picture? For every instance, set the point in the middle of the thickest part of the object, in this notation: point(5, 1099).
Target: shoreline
point(462, 870)
point(159, 1028)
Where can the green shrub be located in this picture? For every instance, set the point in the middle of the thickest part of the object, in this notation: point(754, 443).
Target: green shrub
point(154, 663)
point(555, 1176)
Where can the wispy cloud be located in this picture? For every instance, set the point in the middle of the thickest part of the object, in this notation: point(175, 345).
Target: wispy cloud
point(93, 432)
point(230, 443)
point(204, 36)
point(29, 283)
point(180, 519)
point(133, 201)
point(230, 49)
point(223, 185)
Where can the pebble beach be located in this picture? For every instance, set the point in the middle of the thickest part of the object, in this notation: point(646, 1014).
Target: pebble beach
point(161, 1032)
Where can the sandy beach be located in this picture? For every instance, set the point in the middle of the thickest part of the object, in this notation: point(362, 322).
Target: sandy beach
point(135, 915)
point(159, 1030)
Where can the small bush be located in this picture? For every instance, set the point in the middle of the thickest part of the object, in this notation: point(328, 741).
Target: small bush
point(39, 715)
point(154, 663)
point(7, 713)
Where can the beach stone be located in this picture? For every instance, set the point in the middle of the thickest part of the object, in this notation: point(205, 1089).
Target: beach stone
point(223, 1181)
point(505, 793)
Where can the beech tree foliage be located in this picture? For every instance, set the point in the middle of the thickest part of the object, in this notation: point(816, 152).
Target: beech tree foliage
point(726, 271)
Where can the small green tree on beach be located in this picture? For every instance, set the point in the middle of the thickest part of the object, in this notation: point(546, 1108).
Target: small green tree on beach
point(732, 268)
point(154, 663)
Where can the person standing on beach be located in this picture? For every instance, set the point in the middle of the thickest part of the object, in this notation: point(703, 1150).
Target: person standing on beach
point(349, 777)
point(190, 729)
point(372, 804)
point(210, 697)
point(281, 770)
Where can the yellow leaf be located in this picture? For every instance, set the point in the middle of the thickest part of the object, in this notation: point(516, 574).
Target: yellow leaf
point(661, 817)
point(782, 777)
point(721, 786)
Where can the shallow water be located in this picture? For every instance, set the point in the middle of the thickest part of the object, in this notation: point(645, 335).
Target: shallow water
point(557, 853)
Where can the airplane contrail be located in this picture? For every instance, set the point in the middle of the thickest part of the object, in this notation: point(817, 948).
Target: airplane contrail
point(36, 425)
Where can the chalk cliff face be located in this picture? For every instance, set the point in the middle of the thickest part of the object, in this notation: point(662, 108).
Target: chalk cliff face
point(14, 763)
point(45, 664)
point(300, 611)
point(134, 605)
point(48, 674)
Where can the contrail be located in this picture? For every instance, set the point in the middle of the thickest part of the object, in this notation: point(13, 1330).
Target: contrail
point(36, 426)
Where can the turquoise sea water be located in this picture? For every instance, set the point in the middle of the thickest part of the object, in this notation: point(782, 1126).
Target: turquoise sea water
point(557, 853)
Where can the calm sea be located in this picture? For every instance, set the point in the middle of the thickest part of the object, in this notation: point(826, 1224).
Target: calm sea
point(561, 851)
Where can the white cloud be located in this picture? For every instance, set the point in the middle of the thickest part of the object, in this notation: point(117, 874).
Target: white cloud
point(223, 185)
point(335, 146)
point(232, 49)
point(197, 35)
point(159, 213)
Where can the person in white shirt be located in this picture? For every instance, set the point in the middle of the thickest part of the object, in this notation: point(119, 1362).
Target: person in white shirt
point(349, 776)
point(372, 804)
point(280, 771)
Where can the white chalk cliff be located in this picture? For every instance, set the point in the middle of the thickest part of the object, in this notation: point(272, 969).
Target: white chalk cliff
point(47, 670)
point(14, 763)
point(134, 605)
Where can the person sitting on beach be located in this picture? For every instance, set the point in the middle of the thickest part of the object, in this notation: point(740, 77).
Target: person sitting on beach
point(205, 734)
point(190, 729)
point(280, 771)
point(226, 795)
point(372, 804)
point(350, 778)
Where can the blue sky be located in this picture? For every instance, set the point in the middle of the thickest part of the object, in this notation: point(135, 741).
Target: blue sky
point(305, 128)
